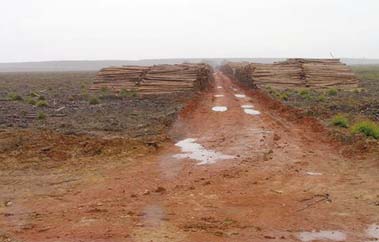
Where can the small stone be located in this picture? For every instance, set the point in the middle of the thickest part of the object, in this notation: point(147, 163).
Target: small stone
point(160, 190)
point(8, 203)
point(146, 192)
point(269, 237)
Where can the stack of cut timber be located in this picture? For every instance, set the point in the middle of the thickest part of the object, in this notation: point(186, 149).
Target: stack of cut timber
point(278, 74)
point(292, 73)
point(328, 73)
point(157, 79)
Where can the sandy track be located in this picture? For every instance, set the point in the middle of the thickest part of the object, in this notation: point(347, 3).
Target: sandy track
point(277, 181)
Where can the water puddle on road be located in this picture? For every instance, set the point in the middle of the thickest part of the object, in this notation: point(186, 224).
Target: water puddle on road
point(322, 235)
point(251, 111)
point(220, 109)
point(373, 232)
point(247, 106)
point(218, 95)
point(240, 95)
point(195, 151)
point(314, 174)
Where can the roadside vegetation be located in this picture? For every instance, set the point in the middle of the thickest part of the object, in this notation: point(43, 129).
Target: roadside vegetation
point(354, 112)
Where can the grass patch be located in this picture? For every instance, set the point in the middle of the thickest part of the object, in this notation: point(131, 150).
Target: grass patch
point(41, 115)
point(340, 120)
point(31, 101)
point(332, 92)
point(42, 103)
point(14, 96)
point(368, 128)
point(94, 101)
point(367, 72)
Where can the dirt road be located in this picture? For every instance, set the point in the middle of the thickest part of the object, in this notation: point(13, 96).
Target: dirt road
point(242, 170)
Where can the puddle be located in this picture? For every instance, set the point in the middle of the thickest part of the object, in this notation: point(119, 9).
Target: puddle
point(373, 232)
point(322, 235)
point(247, 106)
point(251, 111)
point(220, 109)
point(195, 151)
point(218, 95)
point(314, 174)
point(240, 95)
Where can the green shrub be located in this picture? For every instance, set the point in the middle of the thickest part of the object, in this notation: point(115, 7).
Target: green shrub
point(94, 101)
point(332, 92)
point(304, 92)
point(368, 128)
point(321, 98)
point(34, 94)
point(14, 96)
point(340, 121)
point(31, 101)
point(41, 98)
point(41, 115)
point(41, 103)
point(283, 96)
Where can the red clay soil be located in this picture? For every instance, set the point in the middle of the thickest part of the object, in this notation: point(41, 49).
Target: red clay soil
point(286, 178)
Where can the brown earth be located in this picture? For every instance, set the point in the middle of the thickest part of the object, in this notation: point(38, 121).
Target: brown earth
point(264, 193)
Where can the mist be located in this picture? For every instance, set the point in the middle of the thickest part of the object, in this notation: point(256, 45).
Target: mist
point(42, 30)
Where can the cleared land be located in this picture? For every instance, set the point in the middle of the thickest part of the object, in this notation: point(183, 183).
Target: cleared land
point(258, 171)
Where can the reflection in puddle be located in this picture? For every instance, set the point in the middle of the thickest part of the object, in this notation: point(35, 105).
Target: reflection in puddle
point(240, 95)
point(220, 109)
point(247, 106)
point(197, 152)
point(373, 232)
point(218, 95)
point(314, 174)
point(322, 235)
point(251, 111)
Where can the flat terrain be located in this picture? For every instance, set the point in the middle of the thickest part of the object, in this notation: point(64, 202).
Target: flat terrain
point(359, 103)
point(258, 171)
point(61, 102)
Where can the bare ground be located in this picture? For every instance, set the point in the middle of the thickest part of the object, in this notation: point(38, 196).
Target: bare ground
point(287, 177)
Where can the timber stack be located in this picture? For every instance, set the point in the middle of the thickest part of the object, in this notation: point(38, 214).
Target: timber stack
point(293, 73)
point(158, 79)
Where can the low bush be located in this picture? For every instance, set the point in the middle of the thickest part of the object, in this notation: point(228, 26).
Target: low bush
point(14, 96)
point(31, 101)
point(332, 92)
point(368, 128)
point(41, 103)
point(94, 101)
point(284, 96)
point(340, 121)
point(41, 115)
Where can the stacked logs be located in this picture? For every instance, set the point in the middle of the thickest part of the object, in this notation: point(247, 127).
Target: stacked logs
point(292, 73)
point(158, 79)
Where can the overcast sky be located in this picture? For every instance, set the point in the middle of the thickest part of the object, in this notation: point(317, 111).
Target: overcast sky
point(38, 30)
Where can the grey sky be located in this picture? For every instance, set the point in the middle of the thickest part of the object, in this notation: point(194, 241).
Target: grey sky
point(37, 30)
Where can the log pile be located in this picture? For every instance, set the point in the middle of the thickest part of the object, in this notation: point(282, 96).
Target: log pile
point(158, 79)
point(292, 73)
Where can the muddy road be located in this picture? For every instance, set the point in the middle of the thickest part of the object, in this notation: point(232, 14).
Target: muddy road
point(241, 170)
